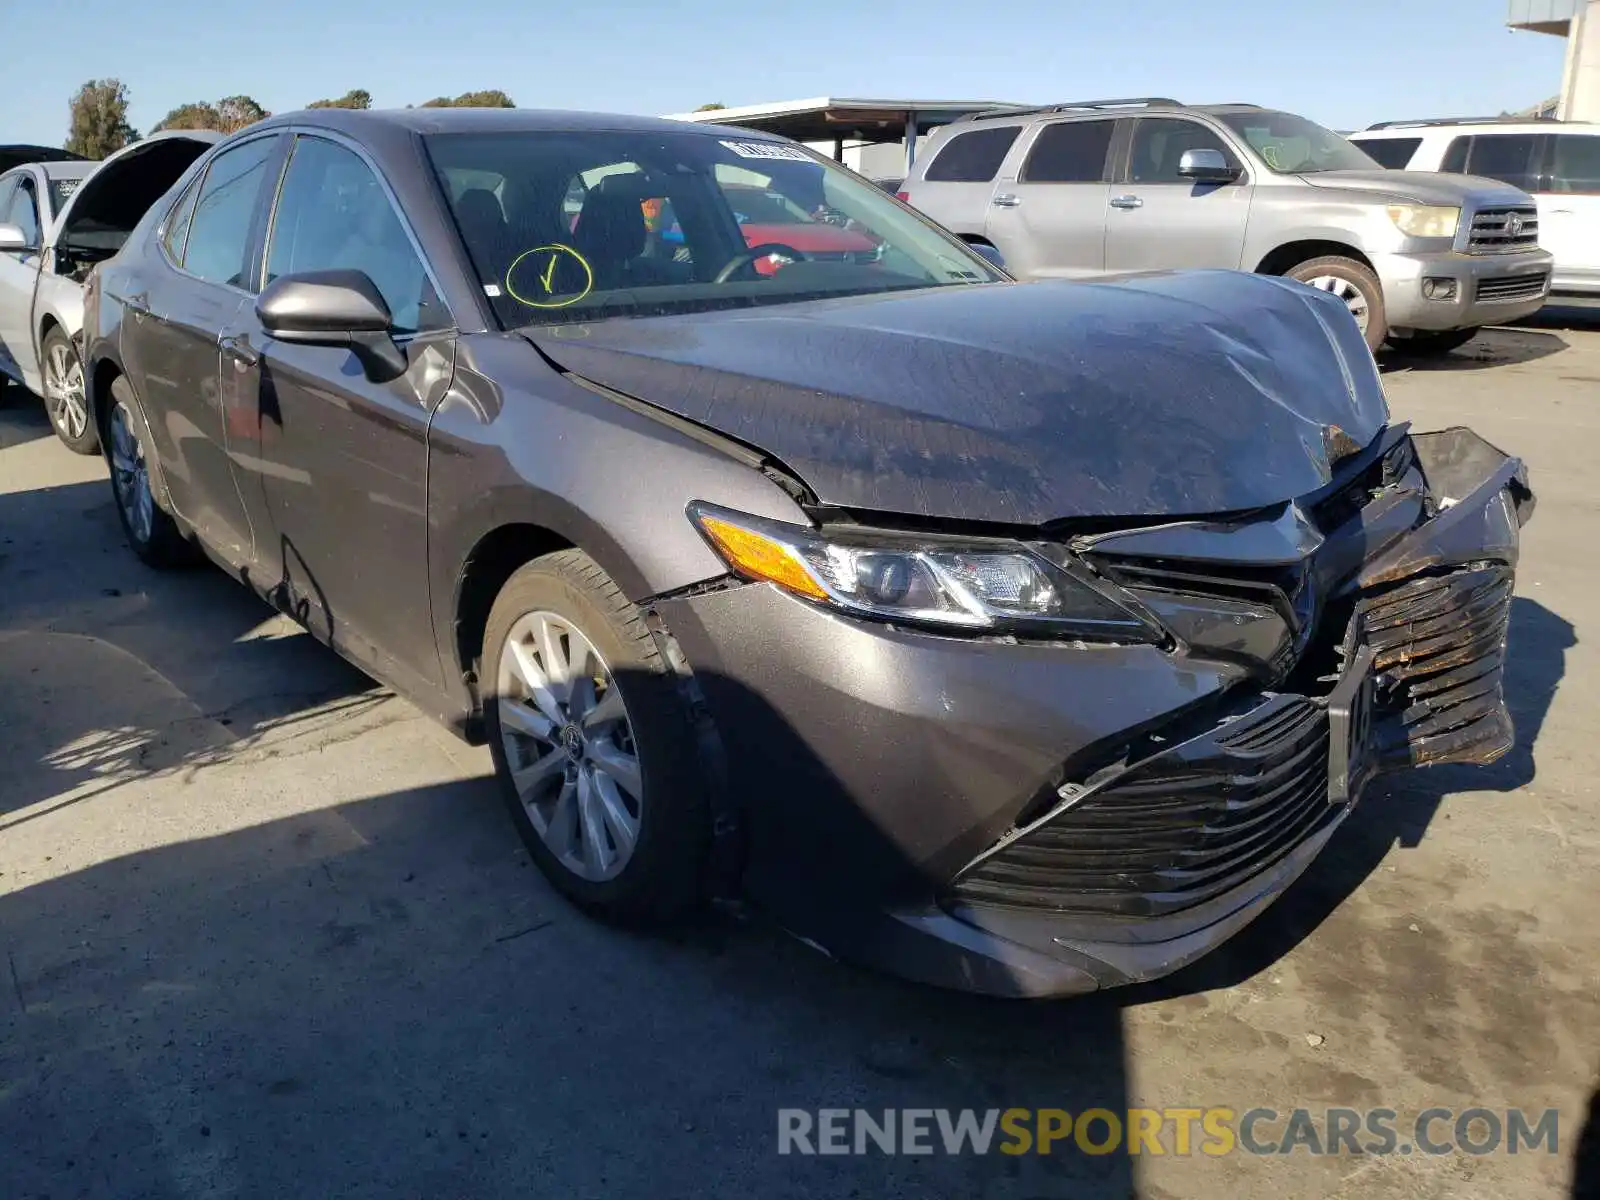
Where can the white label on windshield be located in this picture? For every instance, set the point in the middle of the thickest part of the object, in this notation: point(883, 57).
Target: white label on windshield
point(768, 150)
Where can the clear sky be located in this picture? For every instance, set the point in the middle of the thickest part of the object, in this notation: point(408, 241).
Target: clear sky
point(1345, 63)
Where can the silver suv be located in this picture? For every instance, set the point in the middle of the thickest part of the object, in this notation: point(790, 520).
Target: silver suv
point(1099, 187)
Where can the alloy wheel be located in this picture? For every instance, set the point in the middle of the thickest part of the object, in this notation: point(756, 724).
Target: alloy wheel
point(569, 745)
point(63, 390)
point(130, 475)
point(1347, 291)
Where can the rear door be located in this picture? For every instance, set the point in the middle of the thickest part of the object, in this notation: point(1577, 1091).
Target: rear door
point(1569, 212)
point(1158, 219)
point(173, 354)
point(1048, 216)
point(955, 187)
point(19, 274)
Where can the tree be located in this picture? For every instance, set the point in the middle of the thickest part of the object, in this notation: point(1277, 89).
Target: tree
point(98, 120)
point(354, 98)
point(227, 115)
point(710, 107)
point(492, 98)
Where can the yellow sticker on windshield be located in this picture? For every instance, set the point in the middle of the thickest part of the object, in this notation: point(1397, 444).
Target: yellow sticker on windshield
point(549, 290)
point(1270, 154)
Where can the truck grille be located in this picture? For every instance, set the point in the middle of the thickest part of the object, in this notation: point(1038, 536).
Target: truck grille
point(1176, 829)
point(1514, 287)
point(1496, 230)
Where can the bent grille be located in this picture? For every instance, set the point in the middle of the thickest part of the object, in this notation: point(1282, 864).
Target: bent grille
point(1440, 644)
point(1176, 829)
point(1514, 287)
point(1502, 229)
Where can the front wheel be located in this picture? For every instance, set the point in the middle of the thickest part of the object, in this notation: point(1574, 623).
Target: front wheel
point(593, 744)
point(1353, 283)
point(64, 402)
point(1432, 343)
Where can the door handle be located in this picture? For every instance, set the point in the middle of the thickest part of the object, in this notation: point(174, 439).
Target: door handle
point(1126, 202)
point(240, 351)
point(1006, 200)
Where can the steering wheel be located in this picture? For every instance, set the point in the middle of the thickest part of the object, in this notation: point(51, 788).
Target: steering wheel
point(746, 257)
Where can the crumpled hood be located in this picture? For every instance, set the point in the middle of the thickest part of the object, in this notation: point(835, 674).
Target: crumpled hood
point(1424, 187)
point(1159, 395)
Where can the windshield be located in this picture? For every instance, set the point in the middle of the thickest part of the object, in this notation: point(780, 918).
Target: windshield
point(61, 191)
point(578, 226)
point(1292, 145)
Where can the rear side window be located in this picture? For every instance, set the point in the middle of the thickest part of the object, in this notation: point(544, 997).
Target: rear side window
point(973, 157)
point(1509, 157)
point(1575, 164)
point(1070, 152)
point(178, 223)
point(225, 211)
point(1394, 153)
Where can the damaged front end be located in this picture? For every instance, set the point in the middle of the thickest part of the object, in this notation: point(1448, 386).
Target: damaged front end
point(1369, 620)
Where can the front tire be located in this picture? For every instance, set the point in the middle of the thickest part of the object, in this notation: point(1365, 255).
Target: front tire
point(1353, 283)
point(61, 372)
point(151, 532)
point(594, 747)
point(1431, 343)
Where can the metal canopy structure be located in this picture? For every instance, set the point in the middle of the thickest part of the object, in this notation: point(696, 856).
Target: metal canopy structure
point(836, 119)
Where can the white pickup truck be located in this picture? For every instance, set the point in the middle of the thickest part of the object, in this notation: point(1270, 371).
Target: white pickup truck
point(57, 220)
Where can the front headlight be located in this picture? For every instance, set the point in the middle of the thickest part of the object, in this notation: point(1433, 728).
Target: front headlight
point(974, 584)
point(1425, 220)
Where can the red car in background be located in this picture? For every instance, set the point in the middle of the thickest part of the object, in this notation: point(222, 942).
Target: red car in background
point(766, 216)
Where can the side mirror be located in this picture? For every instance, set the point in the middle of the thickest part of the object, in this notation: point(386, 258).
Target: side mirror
point(12, 238)
point(1206, 166)
point(985, 251)
point(333, 308)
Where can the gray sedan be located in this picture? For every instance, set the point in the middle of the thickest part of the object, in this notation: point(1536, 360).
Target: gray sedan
point(1026, 638)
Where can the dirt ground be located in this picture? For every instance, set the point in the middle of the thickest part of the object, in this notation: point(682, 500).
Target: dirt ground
point(268, 931)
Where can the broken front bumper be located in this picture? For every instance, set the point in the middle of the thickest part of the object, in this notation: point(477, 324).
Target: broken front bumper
point(1040, 820)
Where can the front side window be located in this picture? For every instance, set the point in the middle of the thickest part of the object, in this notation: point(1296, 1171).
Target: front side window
point(1292, 145)
point(1159, 144)
point(1575, 164)
point(24, 211)
point(1069, 152)
point(577, 226)
point(1455, 156)
point(1391, 153)
point(223, 215)
point(1509, 157)
point(334, 214)
point(973, 157)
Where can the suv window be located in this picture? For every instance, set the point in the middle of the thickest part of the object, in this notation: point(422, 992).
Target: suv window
point(178, 223)
point(223, 214)
point(1509, 157)
point(1069, 152)
point(24, 211)
point(334, 214)
point(972, 157)
point(1158, 144)
point(1394, 153)
point(1575, 164)
point(1455, 156)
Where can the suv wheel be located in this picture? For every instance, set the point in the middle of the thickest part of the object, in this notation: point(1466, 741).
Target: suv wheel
point(1353, 283)
point(594, 747)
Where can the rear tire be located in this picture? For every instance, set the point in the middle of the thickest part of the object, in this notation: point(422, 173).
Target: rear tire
point(1353, 283)
point(65, 403)
point(594, 747)
point(1431, 343)
point(151, 532)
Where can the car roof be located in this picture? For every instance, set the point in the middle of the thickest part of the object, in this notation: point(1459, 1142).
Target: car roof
point(68, 170)
point(357, 122)
point(1417, 128)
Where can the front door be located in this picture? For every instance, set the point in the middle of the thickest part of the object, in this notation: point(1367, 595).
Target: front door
point(19, 273)
point(338, 466)
point(1050, 220)
point(179, 320)
point(1159, 220)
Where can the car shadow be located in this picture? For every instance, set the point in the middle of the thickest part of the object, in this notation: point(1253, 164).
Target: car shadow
point(1586, 1158)
point(1491, 348)
point(1395, 811)
point(22, 416)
